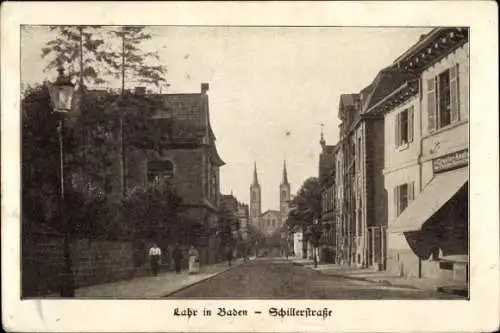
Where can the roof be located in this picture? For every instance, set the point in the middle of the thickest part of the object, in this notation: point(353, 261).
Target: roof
point(330, 149)
point(425, 38)
point(271, 212)
point(187, 113)
point(386, 81)
point(348, 99)
point(347, 102)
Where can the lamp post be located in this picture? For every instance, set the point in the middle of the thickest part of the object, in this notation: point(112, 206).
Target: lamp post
point(61, 95)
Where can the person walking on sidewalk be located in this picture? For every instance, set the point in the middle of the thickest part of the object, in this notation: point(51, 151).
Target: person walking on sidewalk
point(194, 261)
point(154, 258)
point(177, 256)
point(229, 255)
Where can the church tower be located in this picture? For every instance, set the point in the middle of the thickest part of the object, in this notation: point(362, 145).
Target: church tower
point(255, 200)
point(284, 195)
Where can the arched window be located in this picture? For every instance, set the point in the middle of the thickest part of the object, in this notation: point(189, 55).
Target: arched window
point(160, 169)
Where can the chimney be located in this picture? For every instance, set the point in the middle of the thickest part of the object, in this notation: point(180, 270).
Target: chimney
point(140, 90)
point(204, 88)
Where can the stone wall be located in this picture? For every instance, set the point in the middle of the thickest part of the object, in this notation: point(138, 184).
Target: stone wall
point(93, 261)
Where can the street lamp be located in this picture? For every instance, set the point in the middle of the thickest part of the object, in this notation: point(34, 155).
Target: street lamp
point(61, 94)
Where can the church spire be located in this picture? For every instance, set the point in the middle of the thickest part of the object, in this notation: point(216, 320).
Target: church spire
point(322, 141)
point(285, 176)
point(255, 179)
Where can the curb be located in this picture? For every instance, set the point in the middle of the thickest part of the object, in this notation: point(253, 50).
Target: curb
point(463, 292)
point(385, 282)
point(204, 279)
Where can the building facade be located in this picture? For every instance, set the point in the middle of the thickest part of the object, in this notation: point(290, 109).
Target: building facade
point(244, 219)
point(327, 251)
point(361, 200)
point(270, 221)
point(426, 152)
point(181, 149)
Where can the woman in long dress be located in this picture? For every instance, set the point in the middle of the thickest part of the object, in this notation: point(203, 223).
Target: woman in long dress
point(194, 261)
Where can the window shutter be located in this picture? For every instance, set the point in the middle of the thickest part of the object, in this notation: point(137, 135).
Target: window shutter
point(396, 199)
point(431, 104)
point(411, 191)
point(410, 124)
point(454, 93)
point(396, 130)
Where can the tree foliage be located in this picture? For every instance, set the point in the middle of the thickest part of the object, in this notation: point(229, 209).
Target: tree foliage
point(228, 221)
point(90, 139)
point(152, 212)
point(306, 205)
point(41, 178)
point(132, 62)
point(95, 54)
point(255, 236)
point(80, 50)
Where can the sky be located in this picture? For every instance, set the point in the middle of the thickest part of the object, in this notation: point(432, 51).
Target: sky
point(271, 88)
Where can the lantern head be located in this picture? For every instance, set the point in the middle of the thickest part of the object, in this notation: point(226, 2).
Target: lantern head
point(61, 93)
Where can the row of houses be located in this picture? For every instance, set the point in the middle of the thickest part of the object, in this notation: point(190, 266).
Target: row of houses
point(395, 185)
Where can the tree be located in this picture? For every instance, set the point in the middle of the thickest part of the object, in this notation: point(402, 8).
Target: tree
point(41, 178)
point(255, 236)
point(80, 50)
point(131, 61)
point(306, 210)
point(151, 213)
point(228, 222)
point(306, 205)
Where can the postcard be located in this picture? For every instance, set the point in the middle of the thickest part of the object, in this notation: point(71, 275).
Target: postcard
point(249, 167)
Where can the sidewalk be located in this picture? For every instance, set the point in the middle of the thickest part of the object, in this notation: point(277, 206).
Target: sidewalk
point(373, 275)
point(153, 286)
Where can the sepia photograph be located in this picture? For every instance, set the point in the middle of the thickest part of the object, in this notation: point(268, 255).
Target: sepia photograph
point(136, 185)
point(261, 176)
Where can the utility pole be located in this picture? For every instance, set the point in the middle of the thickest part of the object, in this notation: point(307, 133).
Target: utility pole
point(80, 29)
point(122, 140)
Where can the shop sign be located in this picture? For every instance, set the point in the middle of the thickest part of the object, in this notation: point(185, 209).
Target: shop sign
point(451, 161)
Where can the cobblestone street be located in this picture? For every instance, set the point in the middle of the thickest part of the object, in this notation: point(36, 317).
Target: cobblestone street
point(279, 278)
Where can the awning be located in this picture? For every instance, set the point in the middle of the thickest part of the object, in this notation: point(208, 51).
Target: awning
point(441, 189)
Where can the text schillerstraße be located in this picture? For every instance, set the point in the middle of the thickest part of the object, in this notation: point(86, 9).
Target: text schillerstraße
point(295, 312)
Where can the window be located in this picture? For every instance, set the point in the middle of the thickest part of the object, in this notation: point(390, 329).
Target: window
point(404, 127)
point(283, 195)
point(403, 194)
point(443, 99)
point(359, 222)
point(160, 170)
point(213, 185)
point(359, 148)
point(359, 152)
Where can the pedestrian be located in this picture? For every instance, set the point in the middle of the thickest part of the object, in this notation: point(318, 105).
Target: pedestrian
point(177, 256)
point(229, 255)
point(194, 261)
point(154, 258)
